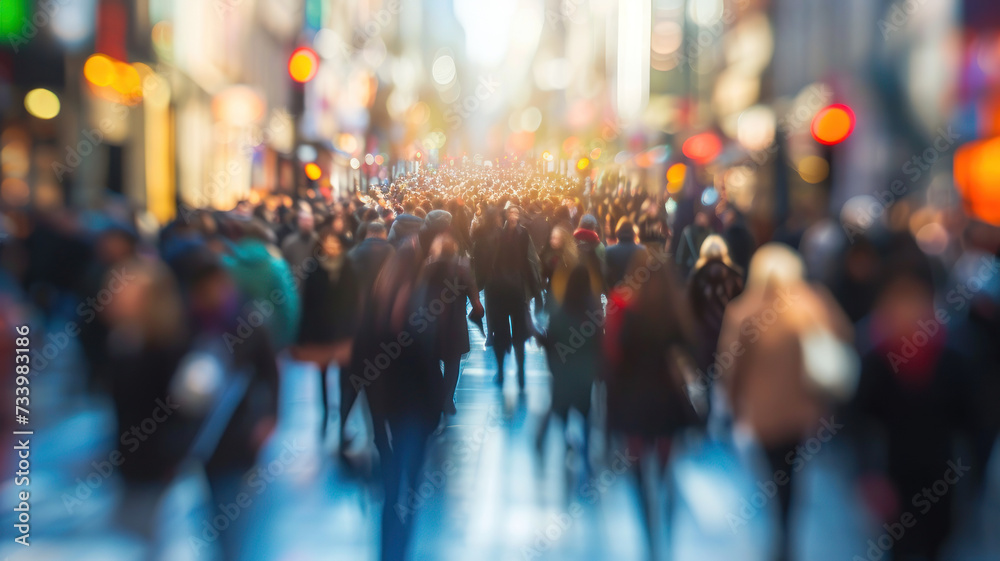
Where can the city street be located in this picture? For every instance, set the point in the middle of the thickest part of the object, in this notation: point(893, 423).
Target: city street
point(439, 280)
point(499, 502)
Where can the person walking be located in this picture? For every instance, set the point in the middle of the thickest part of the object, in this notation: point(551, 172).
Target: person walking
point(514, 281)
point(448, 286)
point(787, 375)
point(329, 313)
point(574, 367)
point(714, 282)
point(648, 343)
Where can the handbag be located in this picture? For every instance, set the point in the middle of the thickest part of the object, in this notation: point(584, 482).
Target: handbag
point(831, 365)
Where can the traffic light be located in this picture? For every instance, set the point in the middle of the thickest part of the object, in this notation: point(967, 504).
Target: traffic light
point(303, 64)
point(832, 125)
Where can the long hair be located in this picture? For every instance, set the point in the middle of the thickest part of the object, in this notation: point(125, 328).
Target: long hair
point(715, 247)
point(579, 298)
point(568, 253)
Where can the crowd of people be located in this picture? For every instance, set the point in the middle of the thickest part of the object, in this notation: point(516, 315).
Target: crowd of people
point(670, 323)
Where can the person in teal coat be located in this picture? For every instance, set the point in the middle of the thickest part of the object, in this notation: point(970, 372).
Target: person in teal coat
point(263, 276)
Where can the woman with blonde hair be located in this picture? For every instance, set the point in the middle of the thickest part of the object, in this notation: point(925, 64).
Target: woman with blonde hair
point(785, 357)
point(715, 248)
point(714, 281)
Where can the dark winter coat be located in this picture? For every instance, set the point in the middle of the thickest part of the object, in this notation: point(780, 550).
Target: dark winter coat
point(330, 298)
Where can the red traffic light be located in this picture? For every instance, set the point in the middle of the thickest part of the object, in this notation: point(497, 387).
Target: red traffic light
point(833, 124)
point(303, 64)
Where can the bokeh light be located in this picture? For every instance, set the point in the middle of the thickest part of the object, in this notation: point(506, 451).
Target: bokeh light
point(709, 196)
point(676, 173)
point(42, 103)
point(813, 169)
point(306, 153)
point(833, 124)
point(444, 70)
point(755, 128)
point(977, 178)
point(705, 13)
point(303, 64)
point(702, 148)
point(347, 143)
point(99, 70)
point(313, 171)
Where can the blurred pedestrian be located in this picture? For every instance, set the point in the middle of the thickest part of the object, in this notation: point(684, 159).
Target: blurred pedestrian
point(789, 360)
point(369, 256)
point(917, 391)
point(689, 246)
point(330, 298)
point(649, 342)
point(448, 287)
point(515, 278)
point(298, 247)
point(559, 259)
point(485, 243)
point(714, 282)
point(592, 251)
point(572, 345)
point(620, 255)
point(739, 239)
point(263, 277)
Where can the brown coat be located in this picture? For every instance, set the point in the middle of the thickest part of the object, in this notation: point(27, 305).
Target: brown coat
point(760, 354)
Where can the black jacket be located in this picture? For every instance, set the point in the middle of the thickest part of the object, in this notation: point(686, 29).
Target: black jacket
point(367, 259)
point(617, 259)
point(329, 305)
point(516, 263)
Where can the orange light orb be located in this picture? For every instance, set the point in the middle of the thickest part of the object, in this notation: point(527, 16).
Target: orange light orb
point(303, 64)
point(977, 177)
point(100, 70)
point(676, 173)
point(833, 124)
point(313, 171)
